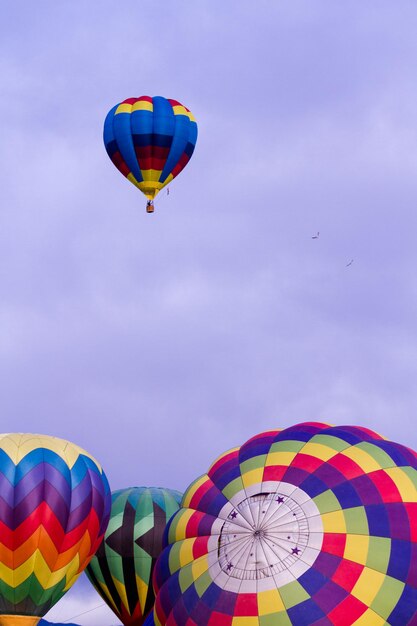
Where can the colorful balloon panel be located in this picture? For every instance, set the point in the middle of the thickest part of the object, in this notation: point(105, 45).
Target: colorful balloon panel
point(150, 140)
point(149, 620)
point(122, 569)
point(313, 524)
point(54, 509)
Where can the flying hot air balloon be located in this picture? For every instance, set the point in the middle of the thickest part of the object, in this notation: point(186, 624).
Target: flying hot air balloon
point(122, 568)
point(150, 141)
point(54, 509)
point(312, 524)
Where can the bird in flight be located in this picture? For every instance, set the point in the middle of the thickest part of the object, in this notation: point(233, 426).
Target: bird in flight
point(316, 236)
point(350, 263)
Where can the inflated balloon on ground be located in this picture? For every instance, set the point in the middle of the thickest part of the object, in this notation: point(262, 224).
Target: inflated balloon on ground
point(309, 525)
point(121, 571)
point(54, 509)
point(150, 141)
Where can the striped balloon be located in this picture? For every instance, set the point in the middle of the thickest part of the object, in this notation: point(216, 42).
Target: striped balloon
point(150, 141)
point(121, 571)
point(313, 524)
point(54, 509)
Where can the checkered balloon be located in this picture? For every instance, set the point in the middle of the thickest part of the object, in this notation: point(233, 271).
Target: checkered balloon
point(313, 524)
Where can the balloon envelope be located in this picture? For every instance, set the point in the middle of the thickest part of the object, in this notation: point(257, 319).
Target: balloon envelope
point(54, 508)
point(150, 141)
point(309, 525)
point(121, 571)
point(149, 620)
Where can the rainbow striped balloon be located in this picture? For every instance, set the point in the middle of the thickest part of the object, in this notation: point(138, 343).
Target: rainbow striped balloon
point(54, 509)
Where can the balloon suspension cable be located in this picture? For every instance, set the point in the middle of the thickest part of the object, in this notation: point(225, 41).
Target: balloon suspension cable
point(100, 606)
point(150, 206)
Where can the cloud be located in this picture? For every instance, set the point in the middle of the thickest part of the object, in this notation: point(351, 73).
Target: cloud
point(166, 339)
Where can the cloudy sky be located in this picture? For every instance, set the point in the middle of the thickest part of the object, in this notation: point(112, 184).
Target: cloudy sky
point(158, 341)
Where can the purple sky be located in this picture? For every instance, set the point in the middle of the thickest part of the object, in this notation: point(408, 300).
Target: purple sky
point(156, 342)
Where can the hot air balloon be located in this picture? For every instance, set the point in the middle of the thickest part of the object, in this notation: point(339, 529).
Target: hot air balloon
point(54, 509)
point(121, 571)
point(312, 524)
point(150, 141)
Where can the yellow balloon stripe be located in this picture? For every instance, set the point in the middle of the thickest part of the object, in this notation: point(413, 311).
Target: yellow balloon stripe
point(365, 461)
point(181, 110)
point(123, 108)
point(181, 522)
point(17, 446)
point(404, 484)
point(151, 187)
point(370, 618)
point(193, 488)
point(142, 589)
point(133, 180)
point(142, 105)
point(105, 590)
point(152, 176)
point(121, 590)
point(368, 585)
point(270, 602)
point(37, 564)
